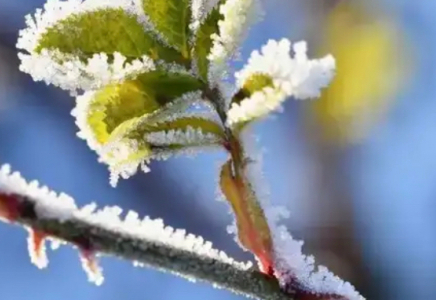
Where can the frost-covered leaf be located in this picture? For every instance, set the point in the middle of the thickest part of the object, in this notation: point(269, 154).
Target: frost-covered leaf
point(272, 75)
point(171, 18)
point(203, 40)
point(115, 104)
point(85, 45)
point(255, 83)
point(253, 230)
point(107, 30)
point(116, 108)
point(115, 120)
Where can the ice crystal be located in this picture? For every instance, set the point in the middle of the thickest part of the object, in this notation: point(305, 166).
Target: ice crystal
point(189, 137)
point(200, 9)
point(61, 206)
point(295, 76)
point(238, 16)
point(75, 75)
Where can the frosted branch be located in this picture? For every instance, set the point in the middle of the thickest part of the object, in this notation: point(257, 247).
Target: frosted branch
point(144, 242)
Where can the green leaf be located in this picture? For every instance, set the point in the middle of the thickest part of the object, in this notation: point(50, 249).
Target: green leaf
point(203, 42)
point(168, 86)
point(181, 124)
point(255, 83)
point(107, 30)
point(171, 18)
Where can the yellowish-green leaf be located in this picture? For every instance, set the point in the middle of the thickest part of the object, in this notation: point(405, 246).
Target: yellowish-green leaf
point(255, 83)
point(116, 104)
point(253, 230)
point(142, 152)
point(117, 108)
point(203, 43)
point(154, 90)
point(107, 30)
point(171, 18)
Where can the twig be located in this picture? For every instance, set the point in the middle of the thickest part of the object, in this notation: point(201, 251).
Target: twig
point(22, 210)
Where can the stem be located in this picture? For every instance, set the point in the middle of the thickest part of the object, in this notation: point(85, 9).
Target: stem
point(253, 230)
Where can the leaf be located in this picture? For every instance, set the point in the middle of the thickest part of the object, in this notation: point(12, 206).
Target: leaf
point(180, 132)
point(171, 18)
point(115, 104)
point(253, 230)
point(167, 86)
point(117, 108)
point(203, 42)
point(255, 83)
point(107, 30)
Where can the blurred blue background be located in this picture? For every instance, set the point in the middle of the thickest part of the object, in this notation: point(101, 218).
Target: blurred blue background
point(362, 191)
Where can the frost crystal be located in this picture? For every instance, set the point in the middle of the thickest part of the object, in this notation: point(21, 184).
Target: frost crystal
point(295, 76)
point(238, 16)
point(200, 9)
point(189, 137)
point(73, 74)
point(291, 265)
point(60, 205)
point(146, 232)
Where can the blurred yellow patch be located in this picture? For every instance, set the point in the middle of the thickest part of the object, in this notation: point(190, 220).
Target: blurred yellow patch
point(370, 67)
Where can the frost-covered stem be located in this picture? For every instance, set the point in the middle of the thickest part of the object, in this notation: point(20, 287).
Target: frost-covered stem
point(257, 236)
point(102, 240)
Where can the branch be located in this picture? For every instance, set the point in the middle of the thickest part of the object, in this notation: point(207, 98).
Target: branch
point(144, 242)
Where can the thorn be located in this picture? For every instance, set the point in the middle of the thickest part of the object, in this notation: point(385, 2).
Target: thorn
point(91, 266)
point(36, 248)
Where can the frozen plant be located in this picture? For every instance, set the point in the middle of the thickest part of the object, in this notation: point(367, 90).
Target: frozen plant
point(139, 69)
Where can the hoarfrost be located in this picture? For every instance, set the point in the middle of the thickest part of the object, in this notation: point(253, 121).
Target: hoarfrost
point(60, 207)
